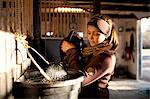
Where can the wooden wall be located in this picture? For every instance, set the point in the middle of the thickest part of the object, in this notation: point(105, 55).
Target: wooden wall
point(15, 16)
point(60, 17)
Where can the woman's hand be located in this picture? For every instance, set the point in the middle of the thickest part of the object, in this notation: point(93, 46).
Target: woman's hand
point(66, 46)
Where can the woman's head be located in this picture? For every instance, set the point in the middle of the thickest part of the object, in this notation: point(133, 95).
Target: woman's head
point(94, 36)
point(100, 29)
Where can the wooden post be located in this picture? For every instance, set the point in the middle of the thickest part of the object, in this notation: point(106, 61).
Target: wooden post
point(36, 23)
point(96, 7)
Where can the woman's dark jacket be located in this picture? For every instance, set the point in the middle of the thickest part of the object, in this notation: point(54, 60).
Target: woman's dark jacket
point(101, 65)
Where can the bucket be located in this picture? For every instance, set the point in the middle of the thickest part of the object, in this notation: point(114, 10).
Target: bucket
point(67, 89)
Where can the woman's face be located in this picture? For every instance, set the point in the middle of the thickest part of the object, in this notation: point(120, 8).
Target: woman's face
point(94, 36)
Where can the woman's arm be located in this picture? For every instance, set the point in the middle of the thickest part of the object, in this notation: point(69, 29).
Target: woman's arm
point(72, 59)
point(106, 67)
point(71, 56)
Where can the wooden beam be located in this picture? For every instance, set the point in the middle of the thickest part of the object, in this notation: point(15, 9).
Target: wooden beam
point(116, 1)
point(122, 16)
point(125, 8)
point(96, 7)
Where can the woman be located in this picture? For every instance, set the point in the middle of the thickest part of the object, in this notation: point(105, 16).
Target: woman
point(99, 55)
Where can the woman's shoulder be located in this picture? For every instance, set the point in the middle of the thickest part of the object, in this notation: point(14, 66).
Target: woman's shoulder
point(108, 59)
point(107, 56)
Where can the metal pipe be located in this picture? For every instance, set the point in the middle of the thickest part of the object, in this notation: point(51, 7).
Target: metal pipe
point(39, 55)
point(40, 69)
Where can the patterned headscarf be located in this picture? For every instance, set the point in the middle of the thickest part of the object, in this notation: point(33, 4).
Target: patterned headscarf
point(102, 23)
